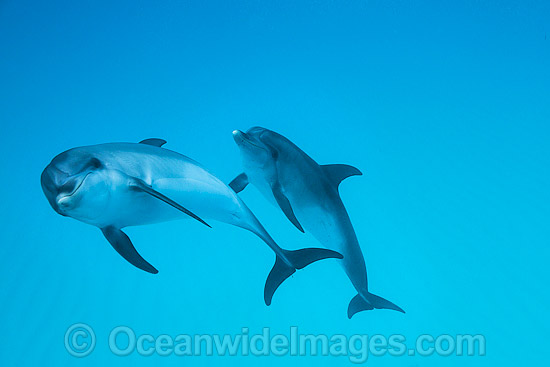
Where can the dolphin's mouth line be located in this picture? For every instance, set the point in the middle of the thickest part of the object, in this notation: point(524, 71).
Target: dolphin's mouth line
point(247, 140)
point(76, 188)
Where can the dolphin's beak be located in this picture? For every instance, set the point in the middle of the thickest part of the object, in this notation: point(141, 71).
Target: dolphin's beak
point(237, 133)
point(239, 137)
point(59, 187)
point(244, 140)
point(47, 180)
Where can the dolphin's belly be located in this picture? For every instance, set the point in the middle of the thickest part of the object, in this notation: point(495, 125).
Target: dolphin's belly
point(207, 198)
point(136, 209)
point(331, 226)
point(322, 225)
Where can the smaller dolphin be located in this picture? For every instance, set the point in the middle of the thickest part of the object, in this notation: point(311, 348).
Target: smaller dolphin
point(116, 185)
point(308, 195)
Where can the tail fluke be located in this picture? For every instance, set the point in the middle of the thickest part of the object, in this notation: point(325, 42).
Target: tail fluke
point(302, 258)
point(298, 259)
point(358, 304)
point(276, 277)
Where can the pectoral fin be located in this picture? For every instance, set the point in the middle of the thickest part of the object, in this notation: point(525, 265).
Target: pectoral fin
point(283, 202)
point(142, 186)
point(239, 183)
point(122, 244)
point(154, 142)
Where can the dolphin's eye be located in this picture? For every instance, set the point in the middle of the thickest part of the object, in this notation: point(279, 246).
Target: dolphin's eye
point(94, 163)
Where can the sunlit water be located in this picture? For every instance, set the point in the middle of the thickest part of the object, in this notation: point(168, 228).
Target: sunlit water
point(445, 108)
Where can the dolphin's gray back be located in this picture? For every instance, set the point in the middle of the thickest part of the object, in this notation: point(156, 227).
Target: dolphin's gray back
point(145, 162)
point(302, 176)
point(286, 149)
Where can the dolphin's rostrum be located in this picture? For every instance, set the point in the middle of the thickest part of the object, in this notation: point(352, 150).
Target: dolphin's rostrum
point(307, 193)
point(116, 185)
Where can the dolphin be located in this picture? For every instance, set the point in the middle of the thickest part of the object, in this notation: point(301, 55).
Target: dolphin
point(308, 195)
point(116, 185)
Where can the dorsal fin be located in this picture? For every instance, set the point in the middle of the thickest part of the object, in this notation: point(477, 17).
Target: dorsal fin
point(338, 172)
point(154, 142)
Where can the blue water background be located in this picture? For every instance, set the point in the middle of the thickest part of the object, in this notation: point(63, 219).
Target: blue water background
point(443, 105)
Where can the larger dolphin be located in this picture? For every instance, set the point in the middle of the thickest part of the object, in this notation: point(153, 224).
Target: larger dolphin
point(308, 195)
point(116, 185)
